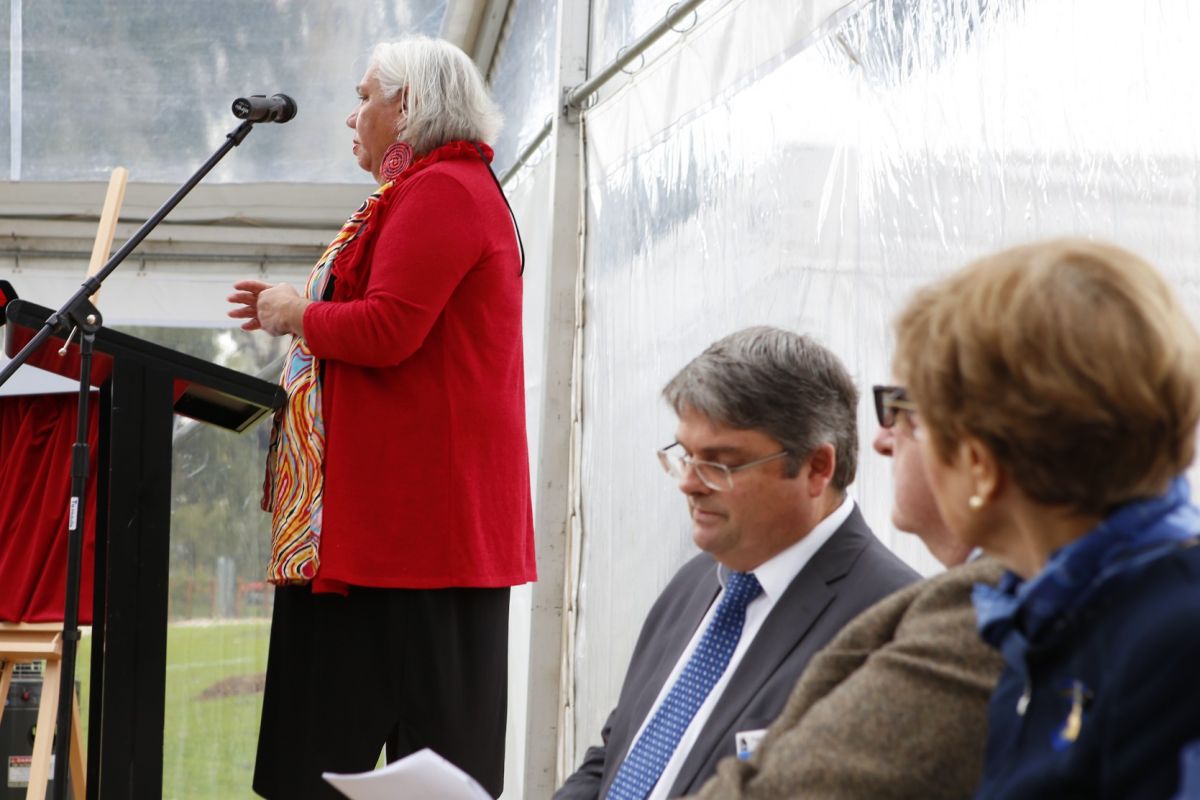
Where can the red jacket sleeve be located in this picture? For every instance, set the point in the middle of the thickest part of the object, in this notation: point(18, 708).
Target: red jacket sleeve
point(429, 240)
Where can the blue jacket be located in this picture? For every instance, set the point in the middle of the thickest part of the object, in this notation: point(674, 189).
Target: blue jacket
point(1102, 702)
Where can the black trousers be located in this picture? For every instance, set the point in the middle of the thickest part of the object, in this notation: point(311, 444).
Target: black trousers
point(411, 668)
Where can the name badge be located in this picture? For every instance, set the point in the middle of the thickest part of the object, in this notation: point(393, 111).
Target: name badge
point(747, 742)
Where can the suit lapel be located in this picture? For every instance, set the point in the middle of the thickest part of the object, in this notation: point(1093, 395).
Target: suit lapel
point(806, 598)
point(700, 596)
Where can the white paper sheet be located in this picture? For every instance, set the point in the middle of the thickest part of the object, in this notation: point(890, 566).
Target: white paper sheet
point(424, 775)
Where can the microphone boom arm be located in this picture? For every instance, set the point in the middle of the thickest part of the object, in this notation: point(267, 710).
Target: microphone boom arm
point(74, 308)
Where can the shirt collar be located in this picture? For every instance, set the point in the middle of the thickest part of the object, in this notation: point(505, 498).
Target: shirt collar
point(776, 574)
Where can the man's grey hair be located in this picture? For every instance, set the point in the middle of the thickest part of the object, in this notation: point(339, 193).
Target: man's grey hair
point(447, 100)
point(781, 383)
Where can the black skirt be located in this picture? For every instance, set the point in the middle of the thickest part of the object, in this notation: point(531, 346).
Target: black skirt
point(409, 668)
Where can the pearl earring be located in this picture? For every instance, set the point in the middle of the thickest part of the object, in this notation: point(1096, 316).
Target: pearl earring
point(975, 502)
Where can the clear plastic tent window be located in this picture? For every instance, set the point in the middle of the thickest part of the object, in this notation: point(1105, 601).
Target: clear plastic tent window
point(150, 84)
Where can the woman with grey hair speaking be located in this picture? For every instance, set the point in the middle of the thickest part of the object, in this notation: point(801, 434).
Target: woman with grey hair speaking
point(398, 475)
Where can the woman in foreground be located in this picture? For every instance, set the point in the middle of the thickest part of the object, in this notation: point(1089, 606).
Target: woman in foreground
point(1059, 384)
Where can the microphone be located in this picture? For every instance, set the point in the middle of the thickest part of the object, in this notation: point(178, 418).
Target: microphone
point(260, 108)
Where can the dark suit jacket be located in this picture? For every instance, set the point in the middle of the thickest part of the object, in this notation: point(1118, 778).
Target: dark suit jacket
point(848, 574)
point(894, 707)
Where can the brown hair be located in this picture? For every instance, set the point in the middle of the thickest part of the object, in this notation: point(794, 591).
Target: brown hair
point(1072, 360)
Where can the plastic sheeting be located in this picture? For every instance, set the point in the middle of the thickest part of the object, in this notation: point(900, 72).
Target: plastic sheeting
point(522, 80)
point(182, 294)
point(149, 85)
point(755, 174)
point(5, 89)
point(529, 197)
point(617, 23)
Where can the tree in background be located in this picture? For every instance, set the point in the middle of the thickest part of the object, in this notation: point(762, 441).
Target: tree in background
point(217, 476)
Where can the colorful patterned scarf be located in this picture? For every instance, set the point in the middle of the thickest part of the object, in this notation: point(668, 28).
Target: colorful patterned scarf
point(294, 487)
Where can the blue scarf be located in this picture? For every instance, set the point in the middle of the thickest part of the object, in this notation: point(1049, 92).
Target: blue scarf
point(1017, 612)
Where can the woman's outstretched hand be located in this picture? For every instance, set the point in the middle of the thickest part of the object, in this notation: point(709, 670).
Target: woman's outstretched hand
point(274, 308)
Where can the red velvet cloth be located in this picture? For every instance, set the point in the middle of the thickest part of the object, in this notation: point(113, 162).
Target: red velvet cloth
point(36, 435)
point(426, 462)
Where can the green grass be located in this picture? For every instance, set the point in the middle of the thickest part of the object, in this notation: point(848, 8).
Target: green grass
point(208, 744)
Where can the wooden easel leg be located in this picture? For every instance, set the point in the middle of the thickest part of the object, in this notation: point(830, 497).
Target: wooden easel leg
point(78, 760)
point(6, 673)
point(39, 767)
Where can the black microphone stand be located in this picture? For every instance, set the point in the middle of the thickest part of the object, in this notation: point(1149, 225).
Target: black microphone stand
point(79, 315)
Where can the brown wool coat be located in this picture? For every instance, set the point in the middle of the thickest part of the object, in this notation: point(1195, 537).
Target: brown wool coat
point(894, 707)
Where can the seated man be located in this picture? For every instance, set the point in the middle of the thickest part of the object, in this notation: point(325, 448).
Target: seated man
point(765, 448)
point(896, 705)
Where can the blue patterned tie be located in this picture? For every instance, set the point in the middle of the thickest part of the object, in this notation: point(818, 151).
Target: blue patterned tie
point(653, 749)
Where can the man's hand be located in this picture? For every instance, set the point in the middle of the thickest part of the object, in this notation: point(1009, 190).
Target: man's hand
point(276, 309)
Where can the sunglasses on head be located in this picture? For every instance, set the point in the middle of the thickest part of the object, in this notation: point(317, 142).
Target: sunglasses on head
point(889, 400)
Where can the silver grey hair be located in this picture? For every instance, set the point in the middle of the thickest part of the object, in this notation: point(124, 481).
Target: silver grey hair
point(447, 100)
point(781, 383)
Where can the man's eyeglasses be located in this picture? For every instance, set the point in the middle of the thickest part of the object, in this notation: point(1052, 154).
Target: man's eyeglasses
point(717, 477)
point(889, 400)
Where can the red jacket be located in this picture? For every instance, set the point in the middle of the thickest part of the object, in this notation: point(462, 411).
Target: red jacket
point(426, 462)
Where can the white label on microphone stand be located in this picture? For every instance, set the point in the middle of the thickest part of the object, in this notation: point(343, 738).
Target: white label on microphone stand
point(74, 513)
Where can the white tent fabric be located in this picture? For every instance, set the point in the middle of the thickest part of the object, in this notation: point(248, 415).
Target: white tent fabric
point(181, 274)
point(525, 199)
point(753, 173)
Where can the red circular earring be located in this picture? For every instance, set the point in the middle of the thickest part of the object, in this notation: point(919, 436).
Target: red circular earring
point(395, 160)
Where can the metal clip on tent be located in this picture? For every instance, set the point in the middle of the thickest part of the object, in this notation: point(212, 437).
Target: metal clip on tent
point(583, 95)
point(79, 312)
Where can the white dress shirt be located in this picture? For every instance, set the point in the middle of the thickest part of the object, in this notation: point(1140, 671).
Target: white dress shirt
point(774, 576)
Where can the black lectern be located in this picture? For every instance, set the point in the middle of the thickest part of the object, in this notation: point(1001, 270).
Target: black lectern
point(142, 386)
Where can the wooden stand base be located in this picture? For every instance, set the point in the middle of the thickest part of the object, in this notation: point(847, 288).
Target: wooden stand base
point(22, 643)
